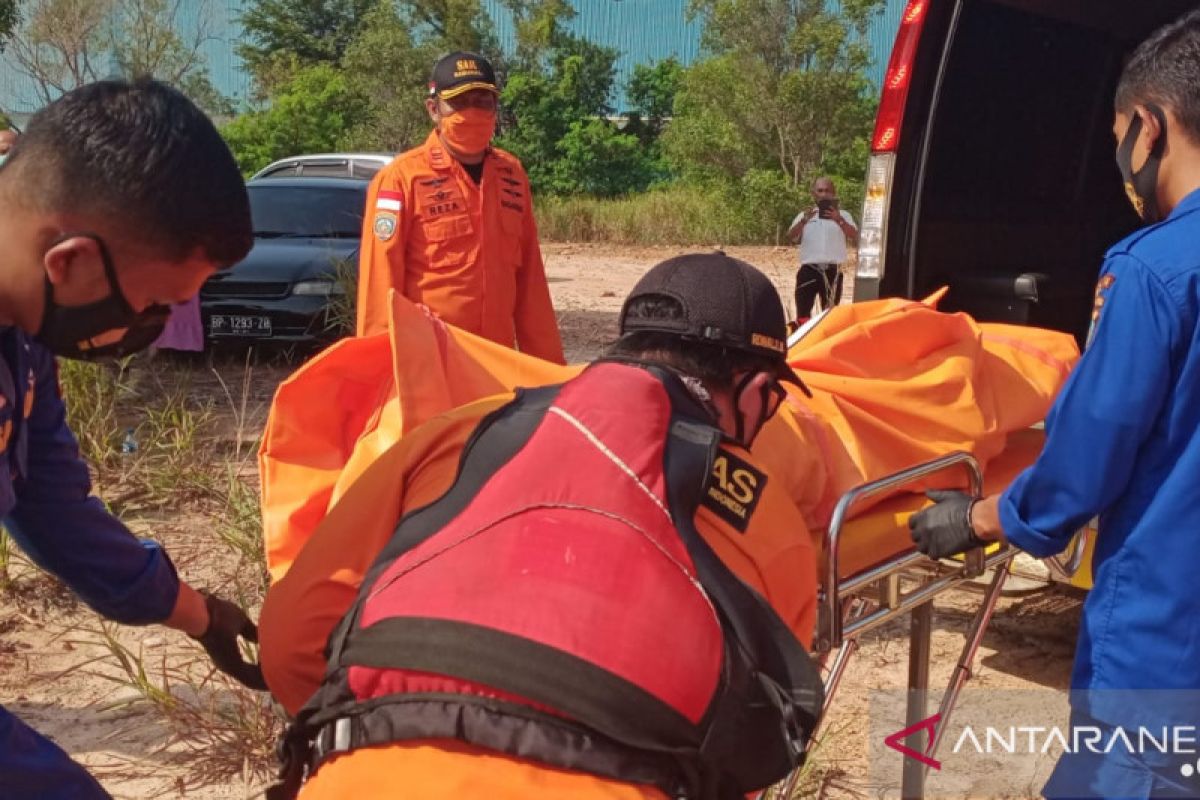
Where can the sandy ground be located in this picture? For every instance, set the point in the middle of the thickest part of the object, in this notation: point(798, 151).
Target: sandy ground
point(55, 673)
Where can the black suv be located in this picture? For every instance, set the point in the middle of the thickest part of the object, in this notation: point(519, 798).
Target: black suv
point(291, 287)
point(992, 167)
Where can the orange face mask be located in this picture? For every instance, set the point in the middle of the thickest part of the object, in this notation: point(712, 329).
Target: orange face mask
point(468, 130)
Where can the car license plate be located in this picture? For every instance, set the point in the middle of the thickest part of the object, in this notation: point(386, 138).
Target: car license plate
point(235, 325)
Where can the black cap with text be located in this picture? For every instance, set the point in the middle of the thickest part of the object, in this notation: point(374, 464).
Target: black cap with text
point(725, 302)
point(460, 72)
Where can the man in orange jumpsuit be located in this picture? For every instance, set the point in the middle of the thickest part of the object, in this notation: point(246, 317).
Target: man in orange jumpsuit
point(749, 522)
point(450, 224)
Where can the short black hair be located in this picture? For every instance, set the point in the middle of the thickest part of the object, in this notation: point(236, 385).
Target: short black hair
point(1165, 70)
point(713, 364)
point(142, 156)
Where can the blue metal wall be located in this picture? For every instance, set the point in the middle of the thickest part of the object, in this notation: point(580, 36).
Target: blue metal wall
point(642, 31)
point(649, 31)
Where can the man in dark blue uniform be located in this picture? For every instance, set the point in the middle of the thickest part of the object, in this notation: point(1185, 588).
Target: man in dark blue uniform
point(119, 199)
point(1123, 442)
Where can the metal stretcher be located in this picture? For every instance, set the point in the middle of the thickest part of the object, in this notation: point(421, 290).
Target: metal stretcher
point(872, 574)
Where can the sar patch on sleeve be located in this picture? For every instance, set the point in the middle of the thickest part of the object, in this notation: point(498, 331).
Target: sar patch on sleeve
point(733, 490)
point(384, 225)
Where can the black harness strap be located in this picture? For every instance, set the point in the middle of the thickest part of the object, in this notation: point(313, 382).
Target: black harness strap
point(511, 728)
point(772, 694)
point(756, 625)
point(611, 705)
point(502, 727)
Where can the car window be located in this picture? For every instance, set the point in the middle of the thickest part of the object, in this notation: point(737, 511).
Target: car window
point(297, 211)
point(326, 169)
point(365, 169)
point(285, 171)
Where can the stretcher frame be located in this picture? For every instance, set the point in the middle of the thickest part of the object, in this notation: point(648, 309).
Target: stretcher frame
point(851, 606)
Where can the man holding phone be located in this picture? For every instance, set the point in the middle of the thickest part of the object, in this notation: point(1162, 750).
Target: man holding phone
point(823, 232)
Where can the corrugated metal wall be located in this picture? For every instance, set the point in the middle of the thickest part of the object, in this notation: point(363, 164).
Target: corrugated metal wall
point(643, 31)
point(649, 31)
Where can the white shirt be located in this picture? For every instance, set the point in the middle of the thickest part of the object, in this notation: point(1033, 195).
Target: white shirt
point(822, 241)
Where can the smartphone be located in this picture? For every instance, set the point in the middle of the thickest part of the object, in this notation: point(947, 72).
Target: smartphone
point(826, 203)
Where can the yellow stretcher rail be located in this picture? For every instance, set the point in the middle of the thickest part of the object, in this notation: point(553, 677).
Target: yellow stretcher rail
point(871, 574)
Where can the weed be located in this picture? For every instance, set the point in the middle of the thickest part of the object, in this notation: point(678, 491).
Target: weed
point(226, 730)
point(91, 392)
point(341, 313)
point(755, 210)
point(12, 562)
point(6, 556)
point(170, 464)
point(240, 522)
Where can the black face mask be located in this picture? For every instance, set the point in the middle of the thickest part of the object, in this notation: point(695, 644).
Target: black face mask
point(70, 331)
point(744, 437)
point(1142, 186)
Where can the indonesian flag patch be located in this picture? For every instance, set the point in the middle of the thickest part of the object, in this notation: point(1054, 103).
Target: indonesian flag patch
point(389, 201)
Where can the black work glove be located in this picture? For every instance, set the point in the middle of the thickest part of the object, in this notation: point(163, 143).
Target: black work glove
point(944, 529)
point(226, 622)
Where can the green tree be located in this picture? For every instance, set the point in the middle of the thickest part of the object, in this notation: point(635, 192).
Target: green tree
point(280, 33)
point(651, 92)
point(8, 20)
point(389, 72)
point(544, 102)
point(594, 158)
point(312, 112)
point(538, 28)
point(785, 87)
point(451, 25)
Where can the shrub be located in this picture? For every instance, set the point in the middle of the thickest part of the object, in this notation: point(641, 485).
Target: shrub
point(754, 210)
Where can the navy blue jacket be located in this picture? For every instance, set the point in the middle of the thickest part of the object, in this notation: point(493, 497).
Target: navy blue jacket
point(46, 502)
point(1123, 443)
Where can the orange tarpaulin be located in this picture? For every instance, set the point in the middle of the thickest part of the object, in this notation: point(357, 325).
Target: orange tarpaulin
point(895, 382)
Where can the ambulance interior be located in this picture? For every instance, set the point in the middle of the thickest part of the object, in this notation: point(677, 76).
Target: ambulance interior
point(1018, 176)
point(1006, 190)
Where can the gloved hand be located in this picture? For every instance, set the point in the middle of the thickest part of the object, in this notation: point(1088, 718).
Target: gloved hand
point(944, 529)
point(226, 622)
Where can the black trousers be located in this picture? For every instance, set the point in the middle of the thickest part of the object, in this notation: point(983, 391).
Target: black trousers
point(817, 280)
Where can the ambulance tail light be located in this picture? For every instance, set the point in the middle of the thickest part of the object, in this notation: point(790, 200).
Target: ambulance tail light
point(898, 78)
point(873, 236)
point(886, 139)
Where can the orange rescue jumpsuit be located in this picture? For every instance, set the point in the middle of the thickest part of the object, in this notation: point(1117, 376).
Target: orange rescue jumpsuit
point(469, 253)
point(774, 554)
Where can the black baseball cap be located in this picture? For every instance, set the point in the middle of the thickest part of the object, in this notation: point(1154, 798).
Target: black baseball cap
point(725, 302)
point(460, 72)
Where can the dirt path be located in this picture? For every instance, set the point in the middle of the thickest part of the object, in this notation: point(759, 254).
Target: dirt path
point(57, 673)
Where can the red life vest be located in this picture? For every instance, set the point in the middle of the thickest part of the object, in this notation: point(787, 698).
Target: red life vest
point(557, 604)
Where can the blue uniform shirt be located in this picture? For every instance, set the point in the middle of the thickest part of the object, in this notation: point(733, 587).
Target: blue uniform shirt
point(46, 502)
point(1123, 442)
